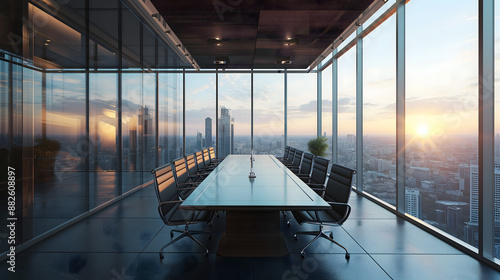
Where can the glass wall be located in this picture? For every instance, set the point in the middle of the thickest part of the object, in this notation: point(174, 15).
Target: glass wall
point(268, 129)
point(346, 103)
point(379, 111)
point(302, 111)
point(326, 110)
point(200, 111)
point(442, 115)
point(234, 114)
point(497, 132)
point(71, 160)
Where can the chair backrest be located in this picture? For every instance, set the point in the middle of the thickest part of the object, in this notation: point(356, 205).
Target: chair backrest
point(291, 153)
point(297, 158)
point(181, 173)
point(164, 182)
point(338, 189)
point(199, 160)
point(287, 151)
point(319, 170)
point(206, 156)
point(211, 152)
point(191, 164)
point(306, 165)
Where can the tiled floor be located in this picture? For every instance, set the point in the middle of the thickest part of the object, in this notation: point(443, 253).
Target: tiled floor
point(122, 242)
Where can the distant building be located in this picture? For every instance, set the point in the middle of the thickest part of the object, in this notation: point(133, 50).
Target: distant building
point(199, 140)
point(413, 202)
point(226, 133)
point(208, 132)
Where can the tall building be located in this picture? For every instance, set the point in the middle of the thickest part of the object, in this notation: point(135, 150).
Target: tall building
point(208, 132)
point(226, 133)
point(413, 202)
point(474, 196)
point(464, 179)
point(199, 137)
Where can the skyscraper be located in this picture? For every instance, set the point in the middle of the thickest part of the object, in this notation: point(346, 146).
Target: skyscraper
point(198, 140)
point(225, 133)
point(208, 132)
point(413, 202)
point(474, 196)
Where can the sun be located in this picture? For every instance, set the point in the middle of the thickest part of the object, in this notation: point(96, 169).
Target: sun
point(422, 130)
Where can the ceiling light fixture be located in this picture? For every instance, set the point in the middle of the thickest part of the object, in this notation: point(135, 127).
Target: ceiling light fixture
point(215, 41)
point(221, 60)
point(284, 60)
point(291, 41)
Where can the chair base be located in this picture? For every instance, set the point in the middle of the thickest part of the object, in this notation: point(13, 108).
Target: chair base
point(318, 234)
point(184, 233)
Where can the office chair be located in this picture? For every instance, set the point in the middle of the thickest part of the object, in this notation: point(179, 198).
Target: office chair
point(337, 192)
point(285, 154)
point(305, 166)
point(318, 175)
point(289, 158)
point(184, 183)
point(297, 159)
point(168, 208)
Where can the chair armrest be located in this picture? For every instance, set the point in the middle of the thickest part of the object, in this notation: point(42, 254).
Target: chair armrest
point(186, 188)
point(168, 202)
point(316, 185)
point(344, 204)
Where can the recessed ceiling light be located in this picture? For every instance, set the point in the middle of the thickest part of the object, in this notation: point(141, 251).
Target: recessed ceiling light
point(215, 41)
point(291, 42)
point(221, 60)
point(283, 60)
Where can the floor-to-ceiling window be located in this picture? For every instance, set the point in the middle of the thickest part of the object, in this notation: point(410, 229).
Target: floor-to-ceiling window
point(379, 111)
point(200, 111)
point(301, 111)
point(497, 131)
point(326, 111)
point(268, 130)
point(234, 114)
point(442, 116)
point(346, 102)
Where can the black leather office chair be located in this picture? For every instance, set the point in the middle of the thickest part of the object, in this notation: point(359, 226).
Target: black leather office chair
point(185, 184)
point(168, 208)
point(206, 160)
point(285, 154)
point(213, 157)
point(192, 168)
point(289, 158)
point(297, 159)
point(318, 175)
point(337, 192)
point(305, 166)
point(200, 162)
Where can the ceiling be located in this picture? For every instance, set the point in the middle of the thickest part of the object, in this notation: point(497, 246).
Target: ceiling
point(253, 32)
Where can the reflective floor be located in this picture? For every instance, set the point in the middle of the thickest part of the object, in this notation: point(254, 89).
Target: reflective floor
point(122, 241)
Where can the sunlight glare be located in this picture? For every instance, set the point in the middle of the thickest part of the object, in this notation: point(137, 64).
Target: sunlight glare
point(422, 130)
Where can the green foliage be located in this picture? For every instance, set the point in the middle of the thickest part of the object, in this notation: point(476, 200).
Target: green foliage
point(318, 146)
point(45, 149)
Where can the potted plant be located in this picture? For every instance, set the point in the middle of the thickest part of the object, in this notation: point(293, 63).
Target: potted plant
point(318, 146)
point(45, 151)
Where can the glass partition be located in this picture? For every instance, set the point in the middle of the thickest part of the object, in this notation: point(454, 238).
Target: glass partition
point(379, 111)
point(346, 103)
point(234, 114)
point(268, 94)
point(200, 111)
point(326, 111)
point(442, 116)
point(302, 112)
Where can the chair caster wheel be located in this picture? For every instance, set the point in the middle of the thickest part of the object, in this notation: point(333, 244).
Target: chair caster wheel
point(331, 235)
point(303, 254)
point(296, 237)
point(206, 253)
point(347, 256)
point(288, 224)
point(161, 256)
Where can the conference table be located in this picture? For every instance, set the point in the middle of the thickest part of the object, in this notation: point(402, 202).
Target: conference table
point(253, 205)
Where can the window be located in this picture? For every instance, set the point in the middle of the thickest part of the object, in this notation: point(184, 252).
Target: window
point(268, 114)
point(379, 111)
point(200, 111)
point(326, 111)
point(441, 115)
point(302, 111)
